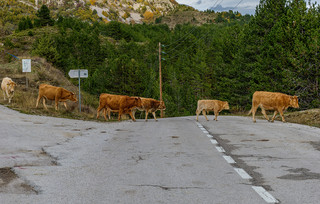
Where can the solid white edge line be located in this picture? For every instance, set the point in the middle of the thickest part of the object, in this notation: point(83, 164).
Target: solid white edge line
point(213, 141)
point(265, 194)
point(243, 173)
point(229, 159)
point(220, 149)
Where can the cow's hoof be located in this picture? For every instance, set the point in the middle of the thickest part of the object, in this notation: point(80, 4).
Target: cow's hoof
point(271, 121)
point(254, 121)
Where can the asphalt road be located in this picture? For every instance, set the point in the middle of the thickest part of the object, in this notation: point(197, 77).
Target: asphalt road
point(174, 160)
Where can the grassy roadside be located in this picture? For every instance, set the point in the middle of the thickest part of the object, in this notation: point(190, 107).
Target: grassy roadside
point(306, 117)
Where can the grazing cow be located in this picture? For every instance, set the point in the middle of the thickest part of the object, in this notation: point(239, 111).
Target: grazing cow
point(8, 87)
point(150, 105)
point(118, 103)
point(211, 105)
point(278, 102)
point(58, 94)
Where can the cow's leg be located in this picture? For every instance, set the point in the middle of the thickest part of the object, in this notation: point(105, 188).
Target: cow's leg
point(109, 113)
point(146, 118)
point(205, 115)
point(254, 110)
point(198, 112)
point(56, 103)
point(281, 113)
point(4, 95)
point(133, 111)
point(38, 100)
point(98, 110)
point(120, 113)
point(105, 112)
point(216, 113)
point(154, 115)
point(264, 113)
point(44, 103)
point(8, 95)
point(130, 113)
point(65, 105)
point(274, 116)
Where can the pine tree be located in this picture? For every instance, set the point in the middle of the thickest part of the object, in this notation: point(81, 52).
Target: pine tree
point(44, 18)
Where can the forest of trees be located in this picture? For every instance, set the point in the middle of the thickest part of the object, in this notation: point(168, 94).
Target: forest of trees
point(276, 50)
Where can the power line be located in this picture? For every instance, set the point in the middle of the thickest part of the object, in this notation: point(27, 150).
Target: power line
point(237, 4)
point(190, 46)
point(181, 38)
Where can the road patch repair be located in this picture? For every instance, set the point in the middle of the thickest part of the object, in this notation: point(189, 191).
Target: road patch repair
point(11, 183)
point(261, 191)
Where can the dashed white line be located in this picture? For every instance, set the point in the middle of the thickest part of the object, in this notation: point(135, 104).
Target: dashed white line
point(265, 194)
point(260, 190)
point(229, 159)
point(213, 141)
point(220, 149)
point(243, 173)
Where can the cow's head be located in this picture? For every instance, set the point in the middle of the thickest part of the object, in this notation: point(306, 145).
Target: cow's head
point(294, 101)
point(73, 97)
point(138, 102)
point(162, 106)
point(10, 86)
point(226, 105)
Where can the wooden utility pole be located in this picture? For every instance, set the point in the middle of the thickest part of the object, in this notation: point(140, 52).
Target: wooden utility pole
point(160, 78)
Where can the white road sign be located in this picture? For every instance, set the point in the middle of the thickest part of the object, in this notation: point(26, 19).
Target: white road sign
point(74, 73)
point(26, 65)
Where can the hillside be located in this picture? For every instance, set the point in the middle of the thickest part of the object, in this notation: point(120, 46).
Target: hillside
point(127, 11)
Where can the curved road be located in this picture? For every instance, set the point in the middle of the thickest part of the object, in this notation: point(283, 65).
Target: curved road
point(174, 160)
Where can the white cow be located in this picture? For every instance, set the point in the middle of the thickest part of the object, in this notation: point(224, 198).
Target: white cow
point(7, 87)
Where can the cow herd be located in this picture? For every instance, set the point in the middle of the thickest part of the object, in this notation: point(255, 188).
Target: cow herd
point(122, 104)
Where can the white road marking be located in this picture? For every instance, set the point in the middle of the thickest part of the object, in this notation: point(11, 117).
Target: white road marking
point(243, 173)
point(220, 149)
point(265, 194)
point(229, 159)
point(260, 190)
point(213, 141)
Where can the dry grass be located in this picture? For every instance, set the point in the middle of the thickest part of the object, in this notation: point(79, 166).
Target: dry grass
point(25, 97)
point(307, 117)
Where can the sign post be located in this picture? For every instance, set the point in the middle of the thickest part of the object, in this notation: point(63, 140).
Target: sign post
point(78, 73)
point(26, 67)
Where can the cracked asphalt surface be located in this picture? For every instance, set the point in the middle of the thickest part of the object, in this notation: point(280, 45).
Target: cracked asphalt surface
point(54, 160)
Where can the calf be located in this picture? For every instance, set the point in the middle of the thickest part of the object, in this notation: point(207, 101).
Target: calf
point(8, 87)
point(150, 105)
point(58, 94)
point(278, 102)
point(211, 105)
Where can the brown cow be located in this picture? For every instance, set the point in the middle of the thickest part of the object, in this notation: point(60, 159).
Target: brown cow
point(58, 94)
point(278, 102)
point(118, 103)
point(7, 87)
point(211, 105)
point(150, 105)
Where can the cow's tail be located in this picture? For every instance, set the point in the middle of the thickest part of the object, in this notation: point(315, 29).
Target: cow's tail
point(250, 111)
